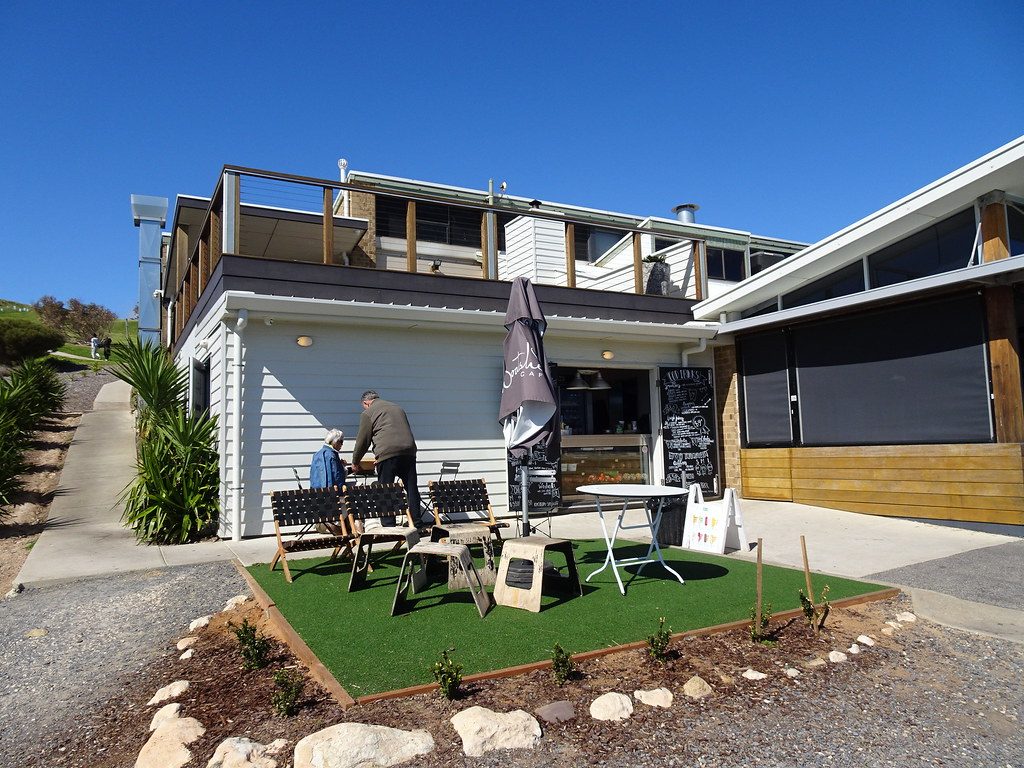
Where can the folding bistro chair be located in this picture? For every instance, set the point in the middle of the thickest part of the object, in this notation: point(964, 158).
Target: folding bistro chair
point(363, 503)
point(306, 508)
point(449, 471)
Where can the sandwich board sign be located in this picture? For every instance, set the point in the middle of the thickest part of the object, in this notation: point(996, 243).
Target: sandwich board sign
point(711, 529)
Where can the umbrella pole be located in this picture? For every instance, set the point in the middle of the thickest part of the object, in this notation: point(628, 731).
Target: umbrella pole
point(524, 491)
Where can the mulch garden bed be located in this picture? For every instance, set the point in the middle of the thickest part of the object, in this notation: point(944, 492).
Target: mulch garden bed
point(230, 701)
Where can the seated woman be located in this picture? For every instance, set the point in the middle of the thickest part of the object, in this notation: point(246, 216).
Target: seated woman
point(327, 470)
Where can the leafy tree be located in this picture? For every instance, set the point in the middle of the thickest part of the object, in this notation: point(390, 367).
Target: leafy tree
point(77, 320)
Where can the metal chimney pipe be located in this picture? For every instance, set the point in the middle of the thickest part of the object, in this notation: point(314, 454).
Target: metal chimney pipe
point(686, 213)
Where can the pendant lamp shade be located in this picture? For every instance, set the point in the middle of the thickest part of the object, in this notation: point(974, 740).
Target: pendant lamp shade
point(600, 383)
point(578, 382)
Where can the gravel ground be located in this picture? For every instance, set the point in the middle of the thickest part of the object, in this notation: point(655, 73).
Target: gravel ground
point(83, 385)
point(99, 633)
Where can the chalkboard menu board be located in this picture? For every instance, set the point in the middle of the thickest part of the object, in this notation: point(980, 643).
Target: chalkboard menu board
point(688, 428)
point(545, 482)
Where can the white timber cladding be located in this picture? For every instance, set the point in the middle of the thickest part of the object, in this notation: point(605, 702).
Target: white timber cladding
point(447, 381)
point(456, 260)
point(534, 248)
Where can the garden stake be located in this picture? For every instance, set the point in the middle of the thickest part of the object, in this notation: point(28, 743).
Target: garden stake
point(757, 618)
point(807, 571)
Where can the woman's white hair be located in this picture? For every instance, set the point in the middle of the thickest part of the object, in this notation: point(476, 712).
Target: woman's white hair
point(334, 436)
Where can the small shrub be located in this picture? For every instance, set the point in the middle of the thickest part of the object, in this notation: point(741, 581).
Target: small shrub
point(12, 463)
point(448, 675)
point(562, 666)
point(657, 644)
point(816, 614)
point(253, 645)
point(289, 685)
point(761, 634)
point(21, 339)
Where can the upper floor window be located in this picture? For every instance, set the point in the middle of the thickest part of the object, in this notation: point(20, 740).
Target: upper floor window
point(940, 248)
point(592, 243)
point(436, 222)
point(1015, 223)
point(845, 281)
point(725, 264)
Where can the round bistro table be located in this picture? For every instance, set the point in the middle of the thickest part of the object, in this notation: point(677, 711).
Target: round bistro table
point(627, 492)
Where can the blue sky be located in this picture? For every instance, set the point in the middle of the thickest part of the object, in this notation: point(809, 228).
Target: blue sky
point(785, 119)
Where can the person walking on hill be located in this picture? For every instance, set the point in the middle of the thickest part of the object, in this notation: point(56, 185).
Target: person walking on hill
point(106, 347)
point(386, 426)
point(94, 345)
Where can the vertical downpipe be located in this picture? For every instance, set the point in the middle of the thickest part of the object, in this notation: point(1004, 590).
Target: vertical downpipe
point(236, 428)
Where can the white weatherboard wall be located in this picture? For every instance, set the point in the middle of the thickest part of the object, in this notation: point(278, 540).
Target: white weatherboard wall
point(446, 381)
point(534, 248)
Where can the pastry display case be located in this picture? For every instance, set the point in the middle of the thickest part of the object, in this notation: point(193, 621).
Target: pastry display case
point(595, 459)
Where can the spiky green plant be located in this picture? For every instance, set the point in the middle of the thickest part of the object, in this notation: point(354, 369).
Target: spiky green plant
point(158, 383)
point(12, 463)
point(44, 389)
point(175, 495)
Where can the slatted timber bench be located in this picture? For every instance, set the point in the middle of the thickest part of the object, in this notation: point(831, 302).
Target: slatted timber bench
point(305, 509)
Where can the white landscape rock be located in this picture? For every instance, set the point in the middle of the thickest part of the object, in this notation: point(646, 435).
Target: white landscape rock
point(352, 745)
point(894, 624)
point(168, 746)
point(187, 642)
point(791, 672)
point(888, 631)
point(611, 706)
point(199, 623)
point(658, 697)
point(865, 640)
point(235, 601)
point(836, 657)
point(239, 752)
point(853, 649)
point(697, 688)
point(165, 713)
point(906, 617)
point(483, 730)
point(753, 674)
point(187, 654)
point(170, 691)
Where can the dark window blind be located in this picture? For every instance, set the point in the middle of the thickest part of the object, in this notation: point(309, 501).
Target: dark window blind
point(765, 370)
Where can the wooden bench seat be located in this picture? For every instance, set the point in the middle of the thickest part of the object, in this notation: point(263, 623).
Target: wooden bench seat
point(306, 509)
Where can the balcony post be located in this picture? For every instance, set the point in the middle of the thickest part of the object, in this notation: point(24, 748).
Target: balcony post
point(231, 212)
point(410, 236)
point(570, 254)
point(328, 234)
point(697, 254)
point(485, 248)
point(638, 267)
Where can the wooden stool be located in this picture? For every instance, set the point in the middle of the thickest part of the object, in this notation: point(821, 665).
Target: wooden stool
point(472, 535)
point(531, 549)
point(459, 560)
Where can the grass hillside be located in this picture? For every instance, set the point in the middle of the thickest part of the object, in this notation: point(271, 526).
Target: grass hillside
point(118, 330)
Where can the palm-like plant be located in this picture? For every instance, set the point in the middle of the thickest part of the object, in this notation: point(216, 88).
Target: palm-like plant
point(44, 390)
point(160, 385)
point(12, 464)
point(175, 496)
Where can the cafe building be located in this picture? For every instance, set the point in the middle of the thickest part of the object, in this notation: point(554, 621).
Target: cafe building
point(285, 297)
point(879, 369)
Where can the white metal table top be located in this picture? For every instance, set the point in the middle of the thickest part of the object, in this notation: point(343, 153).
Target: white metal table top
point(631, 490)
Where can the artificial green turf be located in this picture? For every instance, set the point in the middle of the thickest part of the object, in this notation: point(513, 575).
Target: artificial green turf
point(369, 651)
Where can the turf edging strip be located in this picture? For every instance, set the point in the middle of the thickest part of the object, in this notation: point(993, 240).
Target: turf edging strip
point(295, 643)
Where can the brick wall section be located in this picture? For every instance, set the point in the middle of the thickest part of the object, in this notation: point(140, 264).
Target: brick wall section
point(363, 205)
point(727, 407)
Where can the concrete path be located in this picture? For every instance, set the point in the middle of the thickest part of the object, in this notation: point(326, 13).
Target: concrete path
point(957, 577)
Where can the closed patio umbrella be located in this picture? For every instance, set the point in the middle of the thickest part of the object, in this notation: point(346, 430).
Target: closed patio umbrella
point(529, 396)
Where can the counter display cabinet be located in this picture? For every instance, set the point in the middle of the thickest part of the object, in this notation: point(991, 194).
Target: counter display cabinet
point(595, 459)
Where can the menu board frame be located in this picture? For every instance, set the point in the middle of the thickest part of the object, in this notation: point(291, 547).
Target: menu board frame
point(689, 428)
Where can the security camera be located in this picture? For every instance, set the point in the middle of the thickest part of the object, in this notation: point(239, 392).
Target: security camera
point(158, 293)
point(268, 321)
point(504, 186)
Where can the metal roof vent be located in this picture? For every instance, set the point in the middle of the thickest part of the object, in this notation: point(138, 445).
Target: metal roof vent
point(686, 213)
